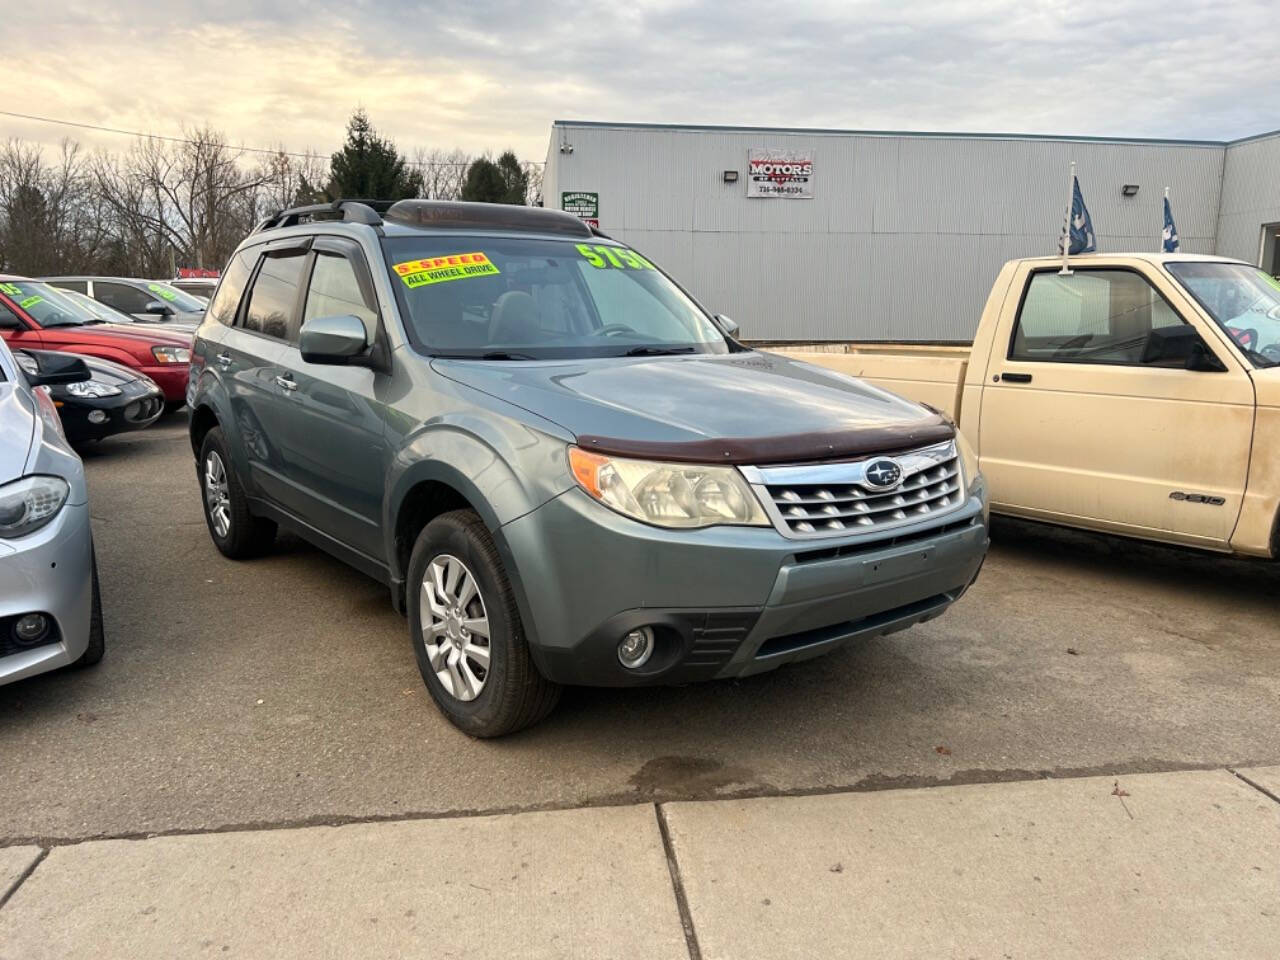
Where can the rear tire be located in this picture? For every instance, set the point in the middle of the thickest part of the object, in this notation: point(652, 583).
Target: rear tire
point(236, 532)
point(500, 689)
point(97, 633)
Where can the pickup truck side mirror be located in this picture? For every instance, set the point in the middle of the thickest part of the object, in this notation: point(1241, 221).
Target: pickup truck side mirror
point(337, 341)
point(730, 327)
point(53, 368)
point(1180, 347)
point(156, 306)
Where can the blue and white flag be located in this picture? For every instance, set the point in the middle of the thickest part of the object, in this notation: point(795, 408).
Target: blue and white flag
point(1080, 226)
point(1170, 231)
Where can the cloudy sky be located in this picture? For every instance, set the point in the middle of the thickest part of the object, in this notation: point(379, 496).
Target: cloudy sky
point(491, 74)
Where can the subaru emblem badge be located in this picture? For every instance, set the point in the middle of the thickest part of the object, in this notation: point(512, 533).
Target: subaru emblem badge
point(883, 474)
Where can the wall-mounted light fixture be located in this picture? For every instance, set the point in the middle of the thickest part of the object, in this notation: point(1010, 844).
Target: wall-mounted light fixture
point(731, 176)
point(1129, 190)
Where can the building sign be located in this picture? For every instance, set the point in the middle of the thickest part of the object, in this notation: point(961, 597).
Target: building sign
point(780, 173)
point(584, 206)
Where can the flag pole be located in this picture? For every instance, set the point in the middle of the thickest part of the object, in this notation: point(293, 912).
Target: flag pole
point(1066, 223)
point(1166, 200)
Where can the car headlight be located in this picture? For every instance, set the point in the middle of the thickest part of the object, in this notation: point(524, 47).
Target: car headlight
point(668, 494)
point(28, 504)
point(968, 461)
point(92, 388)
point(171, 354)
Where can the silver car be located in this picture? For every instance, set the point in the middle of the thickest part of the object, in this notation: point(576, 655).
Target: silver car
point(50, 610)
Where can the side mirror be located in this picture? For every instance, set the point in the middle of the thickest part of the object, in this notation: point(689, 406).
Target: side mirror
point(1180, 346)
point(54, 368)
point(156, 306)
point(729, 326)
point(337, 340)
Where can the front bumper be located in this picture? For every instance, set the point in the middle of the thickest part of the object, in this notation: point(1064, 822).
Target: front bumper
point(50, 572)
point(723, 601)
point(138, 405)
point(171, 378)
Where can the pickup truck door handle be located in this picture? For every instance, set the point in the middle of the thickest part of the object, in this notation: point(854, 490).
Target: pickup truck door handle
point(224, 358)
point(1017, 378)
point(286, 384)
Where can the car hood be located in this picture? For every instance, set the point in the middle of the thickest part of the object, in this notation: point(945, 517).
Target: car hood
point(17, 426)
point(750, 407)
point(115, 333)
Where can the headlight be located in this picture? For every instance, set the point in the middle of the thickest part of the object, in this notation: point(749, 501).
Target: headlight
point(171, 354)
point(668, 494)
point(92, 388)
point(968, 460)
point(28, 504)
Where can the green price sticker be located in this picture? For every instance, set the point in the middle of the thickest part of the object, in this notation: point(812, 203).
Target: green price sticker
point(12, 289)
point(162, 292)
point(1274, 281)
point(30, 301)
point(620, 258)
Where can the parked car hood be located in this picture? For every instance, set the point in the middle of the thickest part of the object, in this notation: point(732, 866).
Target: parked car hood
point(96, 333)
point(743, 407)
point(17, 426)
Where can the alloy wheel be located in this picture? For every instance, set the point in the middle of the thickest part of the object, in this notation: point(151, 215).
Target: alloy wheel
point(455, 627)
point(217, 496)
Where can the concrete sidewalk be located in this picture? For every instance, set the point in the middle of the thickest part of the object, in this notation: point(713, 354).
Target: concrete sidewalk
point(1155, 865)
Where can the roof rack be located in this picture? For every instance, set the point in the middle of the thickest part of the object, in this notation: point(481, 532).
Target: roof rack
point(351, 211)
point(454, 214)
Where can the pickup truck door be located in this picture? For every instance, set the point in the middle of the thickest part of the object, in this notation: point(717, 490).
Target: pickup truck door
point(1084, 423)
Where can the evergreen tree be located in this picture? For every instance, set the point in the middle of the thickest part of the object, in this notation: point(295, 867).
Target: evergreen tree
point(485, 183)
point(514, 177)
point(369, 166)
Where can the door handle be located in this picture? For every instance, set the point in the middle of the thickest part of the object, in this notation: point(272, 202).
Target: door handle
point(1017, 378)
point(286, 384)
point(224, 358)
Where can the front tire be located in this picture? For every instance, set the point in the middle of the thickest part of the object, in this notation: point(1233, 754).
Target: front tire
point(236, 532)
point(466, 631)
point(97, 632)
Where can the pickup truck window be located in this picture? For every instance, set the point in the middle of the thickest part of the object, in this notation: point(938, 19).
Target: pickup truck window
point(1243, 301)
point(1090, 316)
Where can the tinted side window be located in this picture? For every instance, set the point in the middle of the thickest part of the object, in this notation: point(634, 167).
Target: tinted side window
point(274, 293)
point(79, 286)
point(227, 300)
point(1091, 316)
point(335, 290)
point(122, 296)
point(8, 319)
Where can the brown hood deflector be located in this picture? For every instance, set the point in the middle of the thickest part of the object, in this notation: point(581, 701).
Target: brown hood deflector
point(788, 448)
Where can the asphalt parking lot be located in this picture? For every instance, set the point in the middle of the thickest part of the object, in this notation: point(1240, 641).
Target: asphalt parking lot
point(283, 691)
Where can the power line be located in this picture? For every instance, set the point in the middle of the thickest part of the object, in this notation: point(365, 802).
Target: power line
point(168, 139)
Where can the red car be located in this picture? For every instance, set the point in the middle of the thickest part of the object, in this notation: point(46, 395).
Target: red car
point(38, 316)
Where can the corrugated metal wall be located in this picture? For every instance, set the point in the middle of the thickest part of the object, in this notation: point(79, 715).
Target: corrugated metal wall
point(904, 235)
point(1250, 196)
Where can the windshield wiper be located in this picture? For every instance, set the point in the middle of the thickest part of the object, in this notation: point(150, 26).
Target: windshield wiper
point(490, 355)
point(656, 351)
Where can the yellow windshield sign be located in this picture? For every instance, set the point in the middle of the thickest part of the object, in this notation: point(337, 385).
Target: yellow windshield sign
point(455, 266)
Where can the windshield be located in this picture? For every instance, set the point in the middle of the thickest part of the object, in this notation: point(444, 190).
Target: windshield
point(533, 299)
point(48, 306)
point(96, 307)
point(1243, 300)
point(178, 299)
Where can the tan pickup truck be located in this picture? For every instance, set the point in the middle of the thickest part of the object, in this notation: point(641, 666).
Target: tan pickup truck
point(1138, 395)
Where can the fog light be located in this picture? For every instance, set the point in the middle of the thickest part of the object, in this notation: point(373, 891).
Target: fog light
point(635, 649)
point(31, 629)
point(97, 416)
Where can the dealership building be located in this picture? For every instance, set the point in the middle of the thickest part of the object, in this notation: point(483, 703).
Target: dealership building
point(874, 235)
